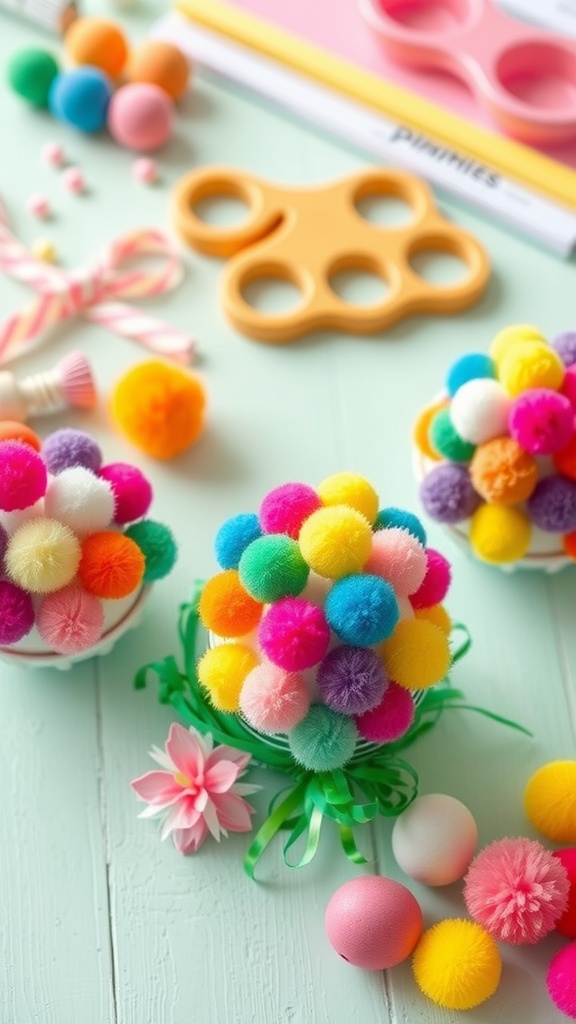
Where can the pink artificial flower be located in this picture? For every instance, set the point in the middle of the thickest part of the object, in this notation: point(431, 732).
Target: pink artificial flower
point(198, 789)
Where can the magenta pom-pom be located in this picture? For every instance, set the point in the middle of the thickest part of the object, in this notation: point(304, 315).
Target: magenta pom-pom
point(399, 558)
point(23, 476)
point(272, 700)
point(294, 634)
point(70, 620)
point(436, 582)
point(568, 388)
point(567, 923)
point(132, 491)
point(561, 980)
point(541, 421)
point(16, 613)
point(390, 719)
point(351, 679)
point(284, 509)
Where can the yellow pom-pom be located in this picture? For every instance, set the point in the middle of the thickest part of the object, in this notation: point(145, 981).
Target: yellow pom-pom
point(336, 541)
point(436, 614)
point(510, 336)
point(417, 655)
point(530, 364)
point(457, 964)
point(222, 670)
point(550, 801)
point(500, 533)
point(350, 489)
point(160, 408)
point(43, 555)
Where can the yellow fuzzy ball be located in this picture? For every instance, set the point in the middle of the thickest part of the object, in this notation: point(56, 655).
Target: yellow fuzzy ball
point(43, 555)
point(510, 336)
point(350, 489)
point(159, 407)
point(530, 364)
point(457, 964)
point(336, 541)
point(222, 671)
point(550, 801)
point(417, 655)
point(436, 614)
point(500, 533)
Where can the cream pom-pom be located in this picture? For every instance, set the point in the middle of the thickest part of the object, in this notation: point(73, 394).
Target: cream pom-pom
point(80, 500)
point(43, 555)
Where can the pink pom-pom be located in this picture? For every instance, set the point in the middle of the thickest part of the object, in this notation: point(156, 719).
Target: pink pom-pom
point(516, 890)
point(392, 717)
point(398, 557)
point(541, 421)
point(294, 634)
point(284, 509)
point(16, 613)
point(561, 980)
point(53, 154)
point(70, 620)
point(272, 700)
point(131, 490)
point(23, 476)
point(434, 587)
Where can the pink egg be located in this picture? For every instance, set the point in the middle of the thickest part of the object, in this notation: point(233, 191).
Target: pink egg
point(373, 922)
point(140, 116)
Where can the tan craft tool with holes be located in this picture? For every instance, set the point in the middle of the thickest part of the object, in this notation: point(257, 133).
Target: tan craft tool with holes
point(308, 235)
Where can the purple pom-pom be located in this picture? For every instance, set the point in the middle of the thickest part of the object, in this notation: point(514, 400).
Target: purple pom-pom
point(67, 447)
point(565, 346)
point(447, 493)
point(3, 545)
point(552, 505)
point(351, 680)
point(16, 613)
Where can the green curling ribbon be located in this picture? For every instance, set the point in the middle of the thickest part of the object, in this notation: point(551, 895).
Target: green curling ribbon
point(376, 782)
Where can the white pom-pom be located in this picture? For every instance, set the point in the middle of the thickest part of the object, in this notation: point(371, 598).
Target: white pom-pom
point(479, 410)
point(81, 500)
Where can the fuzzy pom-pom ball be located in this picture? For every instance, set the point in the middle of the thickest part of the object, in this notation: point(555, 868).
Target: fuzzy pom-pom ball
point(80, 97)
point(160, 408)
point(541, 421)
point(3, 545)
point(447, 493)
point(502, 472)
point(436, 582)
point(399, 558)
point(225, 606)
point(324, 740)
point(373, 922)
point(67, 447)
point(516, 890)
point(351, 679)
point(336, 541)
point(233, 538)
point(272, 567)
point(362, 609)
point(561, 980)
point(446, 440)
point(42, 555)
point(479, 410)
point(284, 509)
point(434, 839)
point(10, 430)
point(421, 429)
point(529, 365)
point(131, 489)
point(436, 614)
point(112, 565)
point(31, 73)
point(550, 801)
point(157, 544)
point(565, 345)
point(70, 620)
point(566, 925)
point(512, 335)
point(16, 613)
point(390, 719)
point(350, 489)
point(272, 700)
point(294, 634)
point(568, 388)
point(23, 476)
point(470, 366)
point(99, 42)
point(552, 504)
point(457, 964)
point(80, 500)
point(393, 516)
point(565, 461)
point(223, 670)
point(417, 655)
point(500, 533)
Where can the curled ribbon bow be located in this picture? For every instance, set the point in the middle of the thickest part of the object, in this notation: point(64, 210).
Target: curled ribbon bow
point(95, 293)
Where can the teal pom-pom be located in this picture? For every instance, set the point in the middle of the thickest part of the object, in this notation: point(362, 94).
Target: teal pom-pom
point(323, 741)
point(447, 441)
point(272, 568)
point(403, 519)
point(233, 538)
point(469, 367)
point(158, 546)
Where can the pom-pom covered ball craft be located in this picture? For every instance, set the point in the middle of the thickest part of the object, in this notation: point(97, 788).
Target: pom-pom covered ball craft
point(496, 453)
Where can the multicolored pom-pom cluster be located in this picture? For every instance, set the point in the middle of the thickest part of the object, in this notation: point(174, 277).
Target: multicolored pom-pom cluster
point(331, 612)
point(73, 536)
point(497, 452)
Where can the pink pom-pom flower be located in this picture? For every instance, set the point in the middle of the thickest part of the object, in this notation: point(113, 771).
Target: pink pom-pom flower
point(70, 620)
point(272, 700)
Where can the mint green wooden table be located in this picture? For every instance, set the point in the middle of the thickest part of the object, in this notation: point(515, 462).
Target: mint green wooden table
point(99, 922)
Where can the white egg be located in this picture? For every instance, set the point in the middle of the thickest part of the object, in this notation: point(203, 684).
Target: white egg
point(434, 840)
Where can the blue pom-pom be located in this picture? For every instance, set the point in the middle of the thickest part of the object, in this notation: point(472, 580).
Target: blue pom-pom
point(469, 367)
point(351, 680)
point(80, 97)
point(323, 741)
point(362, 609)
point(233, 538)
point(403, 519)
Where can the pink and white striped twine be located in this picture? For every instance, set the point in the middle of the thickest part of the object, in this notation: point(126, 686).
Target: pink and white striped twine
point(94, 293)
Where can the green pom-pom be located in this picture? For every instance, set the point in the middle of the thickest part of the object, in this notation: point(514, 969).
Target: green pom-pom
point(324, 740)
point(157, 545)
point(272, 567)
point(446, 441)
point(31, 73)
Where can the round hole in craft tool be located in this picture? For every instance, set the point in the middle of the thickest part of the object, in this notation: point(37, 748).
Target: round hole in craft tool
point(359, 286)
point(427, 15)
point(541, 75)
point(439, 267)
point(222, 210)
point(272, 291)
point(385, 211)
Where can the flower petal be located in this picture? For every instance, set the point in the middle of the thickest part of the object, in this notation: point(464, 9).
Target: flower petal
point(245, 788)
point(226, 753)
point(162, 759)
point(188, 840)
point(221, 776)
point(210, 816)
point(182, 815)
point(157, 788)
point(185, 750)
point(233, 812)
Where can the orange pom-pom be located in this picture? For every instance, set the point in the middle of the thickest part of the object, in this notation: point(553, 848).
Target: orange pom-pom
point(11, 430)
point(111, 566)
point(226, 608)
point(160, 408)
point(570, 544)
point(161, 63)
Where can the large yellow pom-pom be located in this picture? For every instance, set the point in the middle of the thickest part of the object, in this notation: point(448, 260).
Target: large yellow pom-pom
point(457, 964)
point(510, 336)
point(500, 533)
point(417, 655)
point(530, 364)
point(226, 608)
point(160, 408)
point(550, 801)
point(336, 541)
point(222, 671)
point(436, 614)
point(350, 489)
point(43, 555)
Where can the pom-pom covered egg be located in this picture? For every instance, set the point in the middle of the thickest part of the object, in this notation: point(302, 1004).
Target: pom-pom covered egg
point(434, 840)
point(373, 922)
